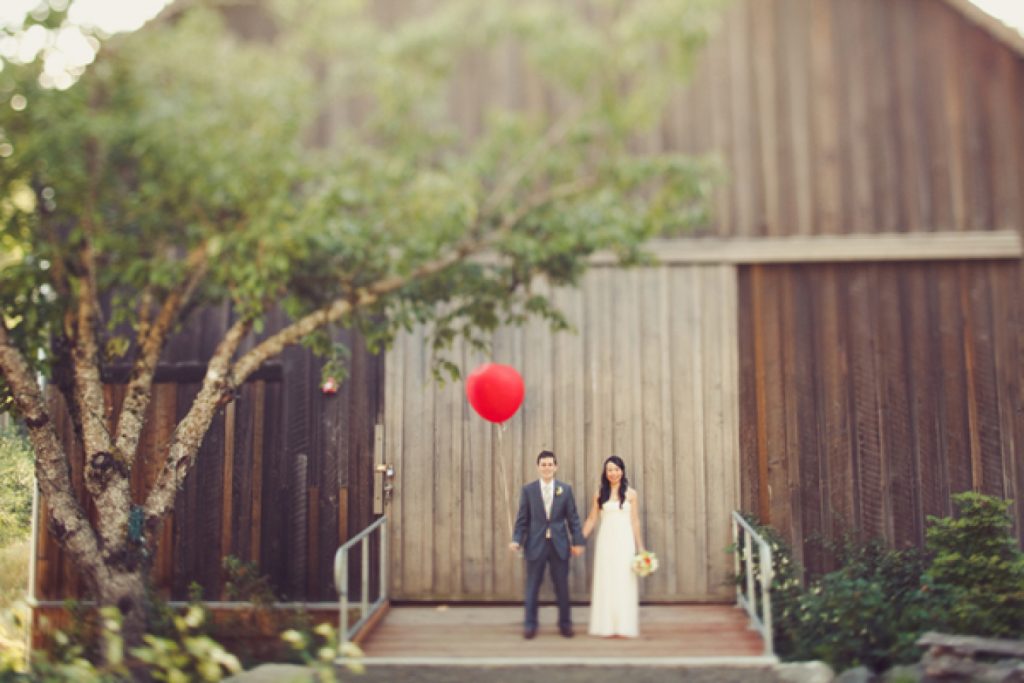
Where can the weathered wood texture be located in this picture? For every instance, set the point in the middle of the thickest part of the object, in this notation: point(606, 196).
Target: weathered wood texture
point(871, 393)
point(650, 376)
point(282, 478)
point(856, 117)
point(829, 116)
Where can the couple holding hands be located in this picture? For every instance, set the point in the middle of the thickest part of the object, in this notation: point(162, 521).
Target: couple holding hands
point(548, 529)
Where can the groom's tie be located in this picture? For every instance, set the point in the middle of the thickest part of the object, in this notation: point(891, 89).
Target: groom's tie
point(546, 491)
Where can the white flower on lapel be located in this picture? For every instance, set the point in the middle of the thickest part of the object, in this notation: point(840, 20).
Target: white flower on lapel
point(558, 490)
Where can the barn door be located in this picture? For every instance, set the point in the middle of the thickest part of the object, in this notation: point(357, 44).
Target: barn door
point(650, 375)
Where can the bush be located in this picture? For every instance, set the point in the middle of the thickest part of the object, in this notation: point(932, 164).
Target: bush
point(187, 656)
point(977, 571)
point(868, 613)
point(871, 611)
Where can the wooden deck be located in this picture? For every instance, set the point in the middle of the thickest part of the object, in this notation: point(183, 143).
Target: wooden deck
point(669, 634)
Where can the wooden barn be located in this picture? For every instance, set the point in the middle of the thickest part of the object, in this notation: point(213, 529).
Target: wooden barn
point(841, 350)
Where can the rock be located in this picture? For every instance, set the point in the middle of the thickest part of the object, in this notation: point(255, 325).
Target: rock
point(904, 673)
point(804, 672)
point(859, 674)
point(273, 673)
point(1006, 671)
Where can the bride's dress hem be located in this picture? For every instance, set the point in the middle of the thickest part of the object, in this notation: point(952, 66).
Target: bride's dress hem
point(615, 604)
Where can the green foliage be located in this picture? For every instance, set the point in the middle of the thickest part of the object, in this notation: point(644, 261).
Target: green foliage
point(319, 651)
point(185, 135)
point(977, 571)
point(16, 486)
point(188, 655)
point(872, 610)
point(244, 582)
point(13, 634)
point(869, 612)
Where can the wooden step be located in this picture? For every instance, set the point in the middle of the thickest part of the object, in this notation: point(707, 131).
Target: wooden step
point(485, 632)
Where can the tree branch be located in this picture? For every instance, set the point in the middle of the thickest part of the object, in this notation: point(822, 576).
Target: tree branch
point(223, 377)
point(67, 519)
point(106, 475)
point(188, 436)
point(89, 399)
point(151, 343)
point(337, 309)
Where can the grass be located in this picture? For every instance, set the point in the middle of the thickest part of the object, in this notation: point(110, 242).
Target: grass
point(14, 562)
point(14, 559)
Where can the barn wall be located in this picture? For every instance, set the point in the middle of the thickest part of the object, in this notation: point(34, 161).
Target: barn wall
point(871, 393)
point(649, 374)
point(829, 116)
point(282, 478)
point(857, 117)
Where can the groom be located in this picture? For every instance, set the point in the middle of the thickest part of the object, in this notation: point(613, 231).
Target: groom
point(547, 514)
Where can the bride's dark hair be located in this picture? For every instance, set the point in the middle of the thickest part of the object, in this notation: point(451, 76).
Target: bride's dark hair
point(606, 486)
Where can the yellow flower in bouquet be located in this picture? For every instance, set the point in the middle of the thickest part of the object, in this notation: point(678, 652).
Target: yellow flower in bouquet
point(645, 563)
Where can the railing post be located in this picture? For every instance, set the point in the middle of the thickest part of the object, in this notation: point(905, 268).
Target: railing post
point(748, 557)
point(383, 590)
point(365, 587)
point(736, 558)
point(767, 576)
point(343, 600)
point(341, 579)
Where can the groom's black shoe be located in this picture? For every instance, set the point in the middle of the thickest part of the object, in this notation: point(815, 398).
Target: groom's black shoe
point(566, 631)
point(529, 632)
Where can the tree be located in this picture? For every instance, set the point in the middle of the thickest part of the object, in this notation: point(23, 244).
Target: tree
point(192, 166)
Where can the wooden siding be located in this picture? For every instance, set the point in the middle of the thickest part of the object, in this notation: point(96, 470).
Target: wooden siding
point(828, 116)
point(283, 477)
point(651, 376)
point(871, 393)
point(873, 116)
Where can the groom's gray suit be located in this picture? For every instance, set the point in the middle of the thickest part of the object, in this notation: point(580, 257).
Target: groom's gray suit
point(531, 532)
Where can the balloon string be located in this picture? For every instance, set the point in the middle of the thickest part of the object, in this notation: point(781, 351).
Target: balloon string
point(504, 480)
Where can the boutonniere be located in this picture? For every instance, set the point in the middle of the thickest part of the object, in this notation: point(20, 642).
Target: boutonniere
point(558, 490)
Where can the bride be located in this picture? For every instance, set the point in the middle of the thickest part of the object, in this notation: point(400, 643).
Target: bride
point(614, 599)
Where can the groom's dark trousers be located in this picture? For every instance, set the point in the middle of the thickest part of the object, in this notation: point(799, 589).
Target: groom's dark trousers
point(559, 567)
point(546, 543)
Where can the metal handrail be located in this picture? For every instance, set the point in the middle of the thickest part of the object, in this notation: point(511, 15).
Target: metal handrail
point(366, 610)
point(760, 622)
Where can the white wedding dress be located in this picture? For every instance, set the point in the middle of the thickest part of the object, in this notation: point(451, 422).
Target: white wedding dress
point(614, 596)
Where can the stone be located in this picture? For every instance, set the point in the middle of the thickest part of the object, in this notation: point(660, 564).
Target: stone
point(804, 672)
point(273, 673)
point(858, 674)
point(904, 673)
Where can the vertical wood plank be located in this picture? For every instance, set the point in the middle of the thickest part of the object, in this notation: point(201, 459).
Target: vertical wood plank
point(764, 49)
point(895, 413)
point(258, 431)
point(838, 515)
point(227, 501)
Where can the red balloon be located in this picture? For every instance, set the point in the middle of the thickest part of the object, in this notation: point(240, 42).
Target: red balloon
point(495, 391)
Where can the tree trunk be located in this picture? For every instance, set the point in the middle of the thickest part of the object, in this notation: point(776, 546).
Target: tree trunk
point(127, 591)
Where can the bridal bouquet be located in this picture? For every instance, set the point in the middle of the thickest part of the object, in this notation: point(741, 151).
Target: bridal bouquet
point(645, 563)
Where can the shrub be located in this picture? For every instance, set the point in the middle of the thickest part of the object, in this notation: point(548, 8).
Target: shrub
point(868, 613)
point(187, 656)
point(977, 570)
point(871, 611)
